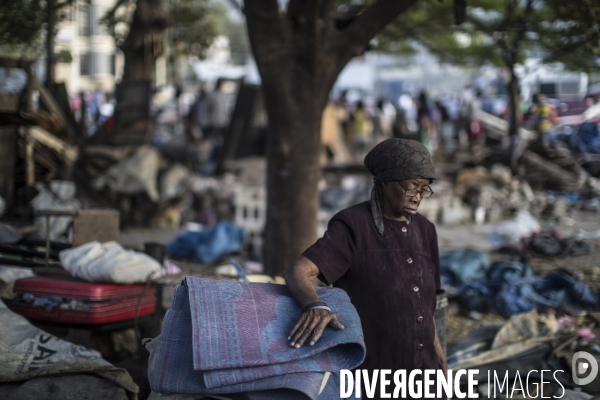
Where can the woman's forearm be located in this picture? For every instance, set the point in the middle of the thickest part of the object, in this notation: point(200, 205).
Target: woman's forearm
point(300, 281)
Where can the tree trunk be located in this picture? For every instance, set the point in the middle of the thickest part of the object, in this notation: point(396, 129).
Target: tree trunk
point(299, 55)
point(143, 44)
point(514, 121)
point(293, 148)
point(50, 58)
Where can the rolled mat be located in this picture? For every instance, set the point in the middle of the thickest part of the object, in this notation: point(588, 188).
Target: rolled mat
point(229, 338)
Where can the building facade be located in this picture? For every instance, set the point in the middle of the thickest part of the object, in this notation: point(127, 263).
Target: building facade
point(87, 56)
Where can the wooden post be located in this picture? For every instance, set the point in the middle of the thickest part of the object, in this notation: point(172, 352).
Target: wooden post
point(29, 161)
point(8, 160)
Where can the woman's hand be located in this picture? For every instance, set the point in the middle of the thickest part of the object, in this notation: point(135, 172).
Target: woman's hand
point(312, 323)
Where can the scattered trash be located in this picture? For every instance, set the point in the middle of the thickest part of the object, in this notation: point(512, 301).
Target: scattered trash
point(525, 326)
point(171, 268)
point(586, 334)
point(8, 234)
point(132, 175)
point(253, 267)
point(57, 196)
point(507, 232)
point(551, 244)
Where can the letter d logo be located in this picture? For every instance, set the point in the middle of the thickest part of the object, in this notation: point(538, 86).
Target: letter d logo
point(580, 367)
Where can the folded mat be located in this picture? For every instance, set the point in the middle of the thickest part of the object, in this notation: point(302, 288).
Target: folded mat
point(229, 337)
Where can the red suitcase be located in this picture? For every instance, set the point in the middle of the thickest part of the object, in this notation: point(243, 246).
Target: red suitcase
point(103, 302)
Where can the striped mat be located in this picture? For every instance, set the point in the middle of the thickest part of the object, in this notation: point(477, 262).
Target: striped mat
point(229, 338)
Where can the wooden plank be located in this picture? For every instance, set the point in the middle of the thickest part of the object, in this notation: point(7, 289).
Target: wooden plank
point(8, 160)
point(44, 137)
point(499, 127)
point(49, 102)
point(29, 162)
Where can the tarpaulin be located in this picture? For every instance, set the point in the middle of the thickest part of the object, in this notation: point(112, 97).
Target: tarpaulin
point(208, 245)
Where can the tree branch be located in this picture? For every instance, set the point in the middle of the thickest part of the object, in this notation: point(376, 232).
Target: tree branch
point(372, 20)
point(267, 32)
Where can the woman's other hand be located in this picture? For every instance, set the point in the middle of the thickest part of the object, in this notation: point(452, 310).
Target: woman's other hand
point(312, 323)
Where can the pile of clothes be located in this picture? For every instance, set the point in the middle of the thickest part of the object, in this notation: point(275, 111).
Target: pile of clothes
point(552, 244)
point(509, 287)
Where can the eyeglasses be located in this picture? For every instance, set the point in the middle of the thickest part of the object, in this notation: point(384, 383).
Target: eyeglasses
point(425, 193)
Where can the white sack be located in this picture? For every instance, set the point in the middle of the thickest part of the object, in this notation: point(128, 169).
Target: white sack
point(109, 262)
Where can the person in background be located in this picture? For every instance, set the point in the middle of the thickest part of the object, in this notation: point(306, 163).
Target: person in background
point(343, 108)
point(218, 106)
point(445, 126)
point(331, 135)
point(383, 119)
point(400, 127)
point(427, 131)
point(542, 113)
point(362, 129)
point(385, 256)
point(470, 109)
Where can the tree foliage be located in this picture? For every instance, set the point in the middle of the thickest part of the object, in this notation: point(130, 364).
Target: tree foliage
point(497, 32)
point(571, 34)
point(22, 25)
point(193, 24)
point(501, 32)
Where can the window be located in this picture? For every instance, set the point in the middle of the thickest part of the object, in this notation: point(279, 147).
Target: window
point(84, 64)
point(84, 20)
point(94, 64)
point(96, 14)
point(113, 67)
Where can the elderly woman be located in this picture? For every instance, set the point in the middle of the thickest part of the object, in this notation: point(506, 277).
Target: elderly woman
point(385, 256)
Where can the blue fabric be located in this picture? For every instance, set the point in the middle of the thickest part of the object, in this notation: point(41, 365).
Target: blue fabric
point(508, 271)
point(464, 266)
point(208, 245)
point(510, 287)
point(571, 198)
point(585, 140)
point(224, 337)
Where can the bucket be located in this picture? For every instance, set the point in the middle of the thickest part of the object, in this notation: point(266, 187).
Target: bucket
point(441, 310)
point(156, 251)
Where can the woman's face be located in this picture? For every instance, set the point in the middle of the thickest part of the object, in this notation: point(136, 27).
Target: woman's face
point(396, 202)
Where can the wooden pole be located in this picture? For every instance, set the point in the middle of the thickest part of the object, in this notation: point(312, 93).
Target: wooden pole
point(29, 161)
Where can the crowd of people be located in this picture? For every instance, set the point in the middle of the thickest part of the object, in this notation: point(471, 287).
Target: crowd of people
point(350, 126)
point(351, 129)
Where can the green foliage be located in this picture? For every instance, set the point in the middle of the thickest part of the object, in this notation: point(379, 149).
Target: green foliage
point(571, 34)
point(194, 24)
point(22, 25)
point(501, 32)
point(64, 56)
point(496, 31)
point(428, 24)
point(21, 21)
